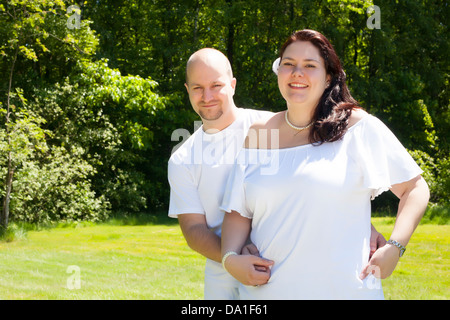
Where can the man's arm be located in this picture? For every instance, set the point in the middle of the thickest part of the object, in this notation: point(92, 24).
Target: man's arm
point(199, 237)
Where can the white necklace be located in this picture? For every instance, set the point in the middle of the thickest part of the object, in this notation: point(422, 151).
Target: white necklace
point(295, 127)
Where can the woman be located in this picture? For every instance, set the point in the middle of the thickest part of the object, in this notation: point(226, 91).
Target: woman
point(310, 218)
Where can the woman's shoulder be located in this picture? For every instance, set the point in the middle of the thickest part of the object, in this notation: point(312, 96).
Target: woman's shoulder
point(270, 122)
point(357, 115)
point(261, 129)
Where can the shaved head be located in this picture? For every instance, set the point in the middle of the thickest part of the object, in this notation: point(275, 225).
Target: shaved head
point(211, 58)
point(211, 86)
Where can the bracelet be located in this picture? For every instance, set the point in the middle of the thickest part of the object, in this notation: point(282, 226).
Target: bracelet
point(225, 256)
point(398, 245)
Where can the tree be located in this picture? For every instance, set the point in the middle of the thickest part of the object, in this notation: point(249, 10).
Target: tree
point(30, 29)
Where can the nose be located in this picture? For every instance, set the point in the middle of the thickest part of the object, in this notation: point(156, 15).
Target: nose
point(297, 71)
point(207, 95)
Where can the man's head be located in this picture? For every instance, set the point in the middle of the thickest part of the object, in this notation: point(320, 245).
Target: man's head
point(210, 85)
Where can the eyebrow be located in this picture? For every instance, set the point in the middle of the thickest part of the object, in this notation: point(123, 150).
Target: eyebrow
point(309, 59)
point(214, 82)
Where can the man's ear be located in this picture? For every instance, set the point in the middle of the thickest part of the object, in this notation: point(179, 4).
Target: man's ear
point(233, 83)
point(187, 87)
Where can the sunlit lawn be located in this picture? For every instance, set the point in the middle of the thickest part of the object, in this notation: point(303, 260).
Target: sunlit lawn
point(112, 262)
point(424, 271)
point(153, 262)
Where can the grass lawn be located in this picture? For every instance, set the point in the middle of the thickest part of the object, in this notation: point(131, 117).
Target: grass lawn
point(152, 261)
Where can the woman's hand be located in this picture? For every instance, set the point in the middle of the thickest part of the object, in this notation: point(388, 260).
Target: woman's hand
point(250, 270)
point(382, 263)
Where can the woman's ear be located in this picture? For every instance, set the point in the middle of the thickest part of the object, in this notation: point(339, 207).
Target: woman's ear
point(328, 80)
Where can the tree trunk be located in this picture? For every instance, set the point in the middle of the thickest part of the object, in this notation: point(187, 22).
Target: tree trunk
point(4, 218)
point(230, 37)
point(6, 200)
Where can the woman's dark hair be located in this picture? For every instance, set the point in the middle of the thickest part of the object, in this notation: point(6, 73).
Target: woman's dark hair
point(336, 104)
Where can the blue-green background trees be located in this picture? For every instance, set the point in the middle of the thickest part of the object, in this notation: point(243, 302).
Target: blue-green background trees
point(88, 110)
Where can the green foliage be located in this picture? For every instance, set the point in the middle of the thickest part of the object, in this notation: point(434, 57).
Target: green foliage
point(437, 214)
point(443, 180)
point(111, 117)
point(56, 188)
point(93, 108)
point(23, 137)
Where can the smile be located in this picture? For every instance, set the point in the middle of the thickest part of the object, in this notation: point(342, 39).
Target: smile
point(298, 85)
point(209, 105)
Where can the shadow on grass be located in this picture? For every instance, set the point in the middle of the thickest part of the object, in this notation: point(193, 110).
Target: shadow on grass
point(19, 230)
point(140, 219)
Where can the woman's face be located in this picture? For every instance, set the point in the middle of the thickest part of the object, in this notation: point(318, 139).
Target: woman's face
point(302, 77)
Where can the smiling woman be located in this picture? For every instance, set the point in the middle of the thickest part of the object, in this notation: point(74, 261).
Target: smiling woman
point(317, 201)
point(308, 58)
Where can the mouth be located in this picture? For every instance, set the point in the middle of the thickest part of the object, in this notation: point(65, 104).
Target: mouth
point(297, 85)
point(209, 105)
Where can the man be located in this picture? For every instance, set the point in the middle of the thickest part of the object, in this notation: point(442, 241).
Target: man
point(198, 169)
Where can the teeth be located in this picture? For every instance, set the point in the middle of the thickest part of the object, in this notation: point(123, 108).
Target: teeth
point(298, 85)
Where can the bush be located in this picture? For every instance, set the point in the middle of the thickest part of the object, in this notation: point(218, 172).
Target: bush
point(57, 188)
point(437, 214)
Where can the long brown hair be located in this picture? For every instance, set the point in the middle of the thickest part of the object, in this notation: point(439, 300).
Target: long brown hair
point(336, 104)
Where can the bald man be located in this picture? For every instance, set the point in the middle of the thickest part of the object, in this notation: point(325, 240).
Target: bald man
point(198, 169)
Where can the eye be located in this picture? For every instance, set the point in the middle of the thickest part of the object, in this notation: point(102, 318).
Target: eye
point(310, 66)
point(287, 64)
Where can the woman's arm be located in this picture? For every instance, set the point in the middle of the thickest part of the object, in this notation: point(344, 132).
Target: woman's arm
point(248, 269)
point(414, 195)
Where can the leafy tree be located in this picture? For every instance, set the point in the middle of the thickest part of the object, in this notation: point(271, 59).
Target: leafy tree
point(33, 34)
point(101, 101)
point(111, 117)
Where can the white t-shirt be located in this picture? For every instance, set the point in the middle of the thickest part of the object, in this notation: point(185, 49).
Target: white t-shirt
point(311, 212)
point(199, 168)
point(197, 173)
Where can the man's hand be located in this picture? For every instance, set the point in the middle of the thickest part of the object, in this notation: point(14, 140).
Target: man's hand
point(376, 241)
point(250, 249)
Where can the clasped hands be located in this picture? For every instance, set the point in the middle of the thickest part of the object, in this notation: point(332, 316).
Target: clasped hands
point(249, 268)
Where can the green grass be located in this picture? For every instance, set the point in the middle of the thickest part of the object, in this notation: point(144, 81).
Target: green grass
point(142, 259)
point(423, 273)
point(115, 262)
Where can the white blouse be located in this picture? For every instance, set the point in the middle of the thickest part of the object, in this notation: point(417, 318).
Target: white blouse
point(310, 210)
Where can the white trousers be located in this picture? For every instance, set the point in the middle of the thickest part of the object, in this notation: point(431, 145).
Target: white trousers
point(219, 284)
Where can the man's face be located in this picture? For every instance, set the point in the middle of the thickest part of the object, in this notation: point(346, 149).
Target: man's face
point(210, 90)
